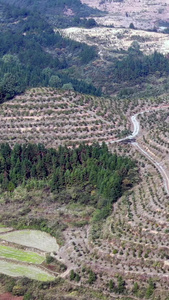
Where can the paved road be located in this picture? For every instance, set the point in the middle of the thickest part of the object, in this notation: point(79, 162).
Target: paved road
point(136, 131)
point(157, 165)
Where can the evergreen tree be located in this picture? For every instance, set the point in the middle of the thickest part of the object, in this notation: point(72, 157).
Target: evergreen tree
point(111, 285)
point(135, 288)
point(150, 288)
point(120, 285)
point(72, 275)
point(92, 277)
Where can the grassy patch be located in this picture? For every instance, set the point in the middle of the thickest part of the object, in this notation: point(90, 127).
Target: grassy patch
point(16, 270)
point(32, 238)
point(4, 229)
point(20, 255)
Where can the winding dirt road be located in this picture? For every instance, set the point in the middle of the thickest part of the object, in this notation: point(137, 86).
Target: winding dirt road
point(136, 131)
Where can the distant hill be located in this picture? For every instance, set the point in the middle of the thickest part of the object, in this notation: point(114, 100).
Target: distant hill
point(144, 14)
point(57, 12)
point(32, 55)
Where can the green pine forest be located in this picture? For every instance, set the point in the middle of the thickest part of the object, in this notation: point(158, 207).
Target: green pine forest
point(94, 165)
point(26, 54)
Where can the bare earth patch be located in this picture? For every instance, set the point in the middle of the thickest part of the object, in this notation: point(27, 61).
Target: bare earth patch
point(112, 39)
point(145, 14)
point(8, 296)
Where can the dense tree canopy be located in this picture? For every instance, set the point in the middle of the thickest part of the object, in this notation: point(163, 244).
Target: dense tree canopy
point(92, 164)
point(28, 57)
point(32, 54)
point(54, 11)
point(137, 65)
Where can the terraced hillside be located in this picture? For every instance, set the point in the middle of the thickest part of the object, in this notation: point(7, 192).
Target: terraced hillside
point(23, 253)
point(133, 242)
point(127, 253)
point(54, 117)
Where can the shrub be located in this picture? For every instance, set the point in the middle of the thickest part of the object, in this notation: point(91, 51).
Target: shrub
point(49, 259)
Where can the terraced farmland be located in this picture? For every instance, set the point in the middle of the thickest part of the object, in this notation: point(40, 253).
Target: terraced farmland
point(133, 242)
point(156, 137)
point(18, 262)
point(17, 270)
point(20, 255)
point(55, 117)
point(32, 238)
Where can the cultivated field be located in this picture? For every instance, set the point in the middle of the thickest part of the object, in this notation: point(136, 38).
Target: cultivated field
point(133, 242)
point(32, 238)
point(28, 263)
point(54, 117)
point(17, 270)
point(20, 255)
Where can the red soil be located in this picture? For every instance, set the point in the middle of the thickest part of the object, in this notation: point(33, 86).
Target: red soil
point(8, 296)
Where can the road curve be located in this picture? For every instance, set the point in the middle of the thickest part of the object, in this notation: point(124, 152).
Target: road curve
point(136, 131)
point(156, 164)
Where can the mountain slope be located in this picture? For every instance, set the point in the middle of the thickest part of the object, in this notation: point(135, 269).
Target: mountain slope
point(144, 14)
point(31, 54)
point(57, 12)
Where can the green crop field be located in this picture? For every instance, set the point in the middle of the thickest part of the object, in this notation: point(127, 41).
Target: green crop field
point(20, 255)
point(4, 229)
point(17, 270)
point(21, 268)
point(32, 238)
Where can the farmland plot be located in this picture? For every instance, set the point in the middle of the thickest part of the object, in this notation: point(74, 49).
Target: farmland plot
point(5, 229)
point(32, 238)
point(17, 270)
point(20, 255)
point(54, 118)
